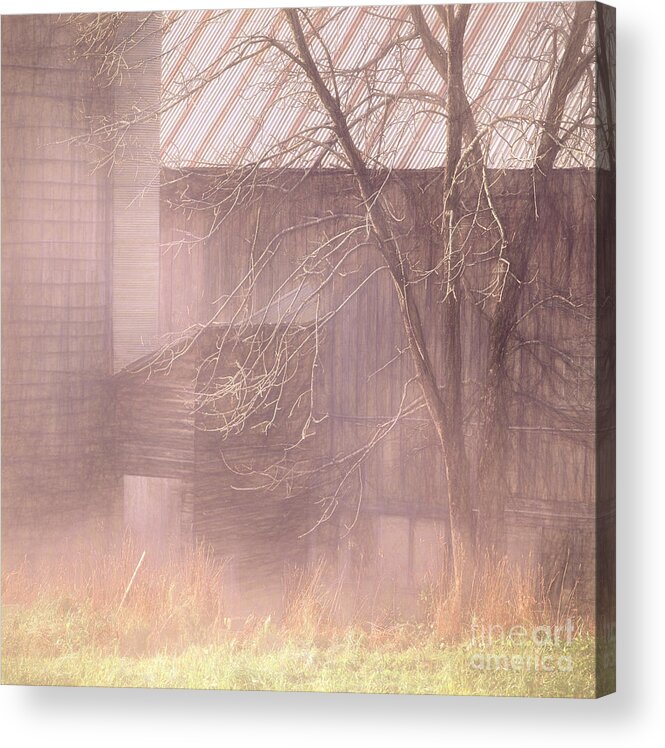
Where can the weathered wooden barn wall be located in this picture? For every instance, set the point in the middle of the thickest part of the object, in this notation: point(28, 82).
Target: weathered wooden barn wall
point(180, 470)
point(401, 519)
point(56, 331)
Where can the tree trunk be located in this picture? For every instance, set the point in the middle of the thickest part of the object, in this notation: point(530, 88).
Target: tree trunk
point(446, 416)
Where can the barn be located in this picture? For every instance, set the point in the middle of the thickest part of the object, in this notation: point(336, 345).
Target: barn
point(139, 305)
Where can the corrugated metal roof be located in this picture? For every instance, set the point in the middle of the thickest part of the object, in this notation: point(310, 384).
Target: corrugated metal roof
point(231, 99)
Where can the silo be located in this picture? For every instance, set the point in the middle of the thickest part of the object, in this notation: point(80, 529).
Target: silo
point(56, 291)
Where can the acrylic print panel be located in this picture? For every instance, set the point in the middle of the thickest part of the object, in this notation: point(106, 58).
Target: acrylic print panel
point(308, 349)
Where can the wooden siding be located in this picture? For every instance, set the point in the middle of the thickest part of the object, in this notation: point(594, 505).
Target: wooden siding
point(163, 432)
point(155, 425)
point(364, 376)
point(367, 333)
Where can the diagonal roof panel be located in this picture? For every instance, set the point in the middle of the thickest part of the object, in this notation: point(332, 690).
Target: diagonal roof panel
point(232, 99)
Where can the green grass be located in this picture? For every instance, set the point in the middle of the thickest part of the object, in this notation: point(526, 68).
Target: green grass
point(57, 643)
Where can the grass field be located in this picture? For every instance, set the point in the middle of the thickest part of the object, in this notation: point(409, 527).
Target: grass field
point(79, 627)
point(43, 646)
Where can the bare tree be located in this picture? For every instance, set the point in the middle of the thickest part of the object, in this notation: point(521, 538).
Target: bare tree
point(458, 214)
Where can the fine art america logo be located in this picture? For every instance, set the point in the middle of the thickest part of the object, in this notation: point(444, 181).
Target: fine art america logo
point(536, 648)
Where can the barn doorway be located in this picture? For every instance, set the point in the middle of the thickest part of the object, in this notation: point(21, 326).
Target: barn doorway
point(152, 514)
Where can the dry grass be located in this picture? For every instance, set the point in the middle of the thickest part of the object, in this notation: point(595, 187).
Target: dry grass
point(501, 596)
point(81, 622)
point(311, 603)
point(166, 606)
point(146, 606)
